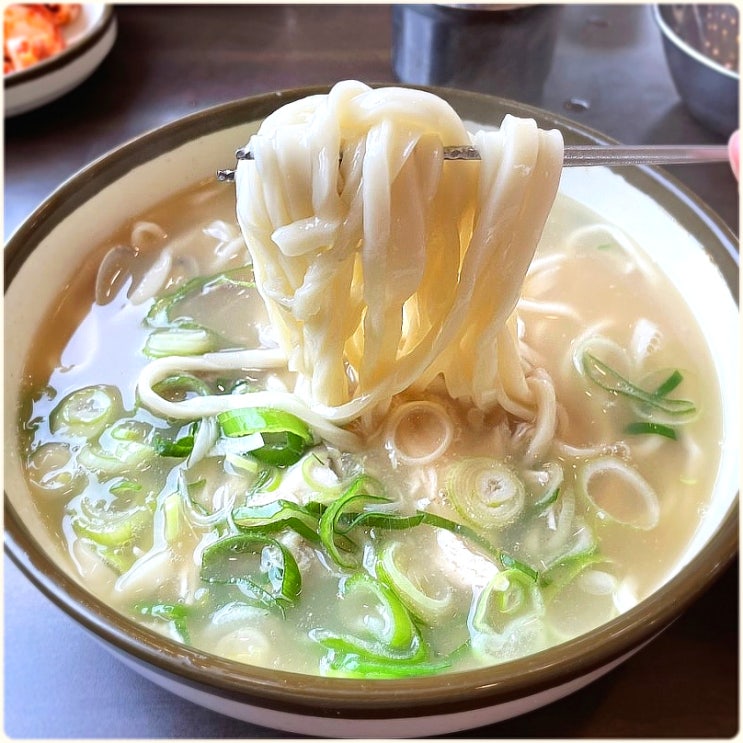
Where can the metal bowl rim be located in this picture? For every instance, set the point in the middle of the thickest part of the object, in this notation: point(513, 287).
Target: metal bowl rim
point(689, 50)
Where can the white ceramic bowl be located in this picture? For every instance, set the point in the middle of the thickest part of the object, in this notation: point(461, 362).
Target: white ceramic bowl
point(697, 252)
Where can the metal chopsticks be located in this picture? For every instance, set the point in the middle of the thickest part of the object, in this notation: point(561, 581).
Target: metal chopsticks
point(584, 155)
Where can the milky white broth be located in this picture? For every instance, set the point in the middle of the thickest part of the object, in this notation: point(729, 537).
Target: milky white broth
point(585, 275)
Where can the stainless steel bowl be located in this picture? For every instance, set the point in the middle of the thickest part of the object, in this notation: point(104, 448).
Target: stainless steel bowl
point(701, 47)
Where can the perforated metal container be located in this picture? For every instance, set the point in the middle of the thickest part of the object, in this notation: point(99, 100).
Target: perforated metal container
point(701, 45)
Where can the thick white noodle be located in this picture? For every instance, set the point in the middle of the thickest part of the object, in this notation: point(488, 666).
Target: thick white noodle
point(395, 265)
point(208, 405)
point(433, 418)
point(546, 420)
point(146, 235)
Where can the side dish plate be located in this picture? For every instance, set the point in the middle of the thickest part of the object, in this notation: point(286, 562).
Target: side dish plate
point(89, 39)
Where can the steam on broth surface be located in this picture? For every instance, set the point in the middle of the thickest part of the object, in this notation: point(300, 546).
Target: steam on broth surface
point(430, 531)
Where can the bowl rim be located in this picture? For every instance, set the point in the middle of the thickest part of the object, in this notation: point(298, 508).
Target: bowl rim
point(316, 695)
point(685, 47)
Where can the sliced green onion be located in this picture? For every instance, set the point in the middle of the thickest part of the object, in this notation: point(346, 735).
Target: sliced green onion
point(546, 500)
point(393, 637)
point(398, 630)
point(319, 476)
point(160, 314)
point(264, 478)
point(385, 520)
point(565, 570)
point(116, 462)
point(285, 436)
point(52, 468)
point(179, 448)
point(419, 432)
point(544, 484)
point(125, 487)
point(184, 340)
point(129, 429)
point(423, 605)
point(639, 428)
point(111, 528)
point(119, 559)
point(374, 649)
point(175, 614)
point(670, 383)
point(360, 492)
point(609, 380)
point(256, 594)
point(509, 600)
point(243, 421)
point(511, 563)
point(485, 492)
point(160, 311)
point(87, 411)
point(351, 665)
point(579, 542)
point(178, 387)
point(172, 516)
point(186, 490)
point(592, 584)
point(280, 449)
point(506, 595)
point(339, 519)
point(280, 514)
point(268, 573)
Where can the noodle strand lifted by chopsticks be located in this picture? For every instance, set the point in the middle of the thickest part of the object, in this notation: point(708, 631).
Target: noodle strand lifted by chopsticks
point(394, 266)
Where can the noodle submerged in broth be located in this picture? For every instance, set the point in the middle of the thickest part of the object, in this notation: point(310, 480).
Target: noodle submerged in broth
point(403, 416)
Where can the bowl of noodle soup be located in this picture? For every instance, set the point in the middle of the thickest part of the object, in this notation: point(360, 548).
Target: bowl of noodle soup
point(228, 446)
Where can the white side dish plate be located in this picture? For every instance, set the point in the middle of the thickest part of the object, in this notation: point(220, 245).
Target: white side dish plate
point(89, 39)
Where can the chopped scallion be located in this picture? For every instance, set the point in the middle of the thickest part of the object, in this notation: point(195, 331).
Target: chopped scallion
point(161, 312)
point(280, 514)
point(637, 428)
point(183, 340)
point(268, 574)
point(395, 637)
point(363, 490)
point(179, 448)
point(179, 386)
point(670, 383)
point(175, 614)
point(351, 665)
point(87, 411)
point(285, 436)
point(608, 379)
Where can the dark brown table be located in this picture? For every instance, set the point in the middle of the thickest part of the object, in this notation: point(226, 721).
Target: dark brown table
point(601, 65)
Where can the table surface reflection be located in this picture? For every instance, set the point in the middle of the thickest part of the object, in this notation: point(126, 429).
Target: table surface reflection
point(601, 65)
